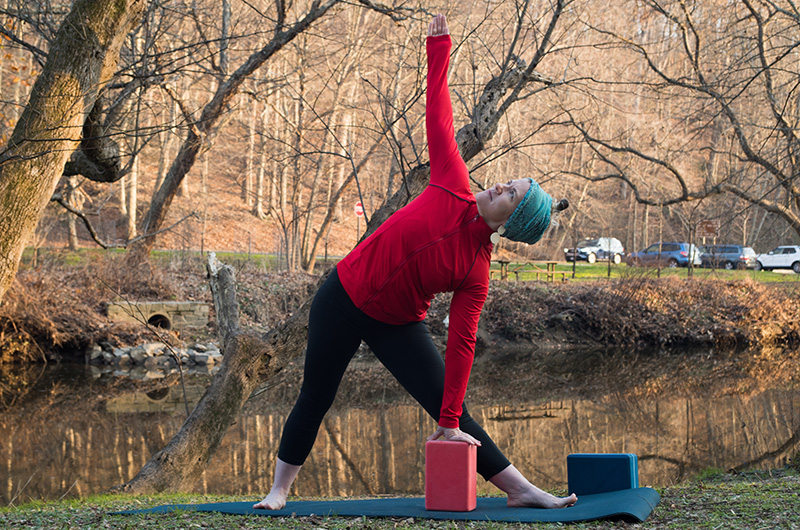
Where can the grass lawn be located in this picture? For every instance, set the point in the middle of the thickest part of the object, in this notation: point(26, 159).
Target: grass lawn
point(741, 501)
point(600, 271)
point(523, 271)
point(81, 257)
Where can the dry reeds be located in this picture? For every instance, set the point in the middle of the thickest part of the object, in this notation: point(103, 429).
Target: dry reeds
point(645, 312)
point(56, 309)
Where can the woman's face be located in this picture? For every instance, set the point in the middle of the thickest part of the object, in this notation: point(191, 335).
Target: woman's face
point(496, 204)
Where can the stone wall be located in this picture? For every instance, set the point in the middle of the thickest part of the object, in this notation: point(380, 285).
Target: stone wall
point(168, 315)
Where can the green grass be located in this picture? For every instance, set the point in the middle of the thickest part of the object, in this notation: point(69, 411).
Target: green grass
point(741, 501)
point(600, 271)
point(63, 256)
point(81, 257)
point(523, 271)
point(748, 501)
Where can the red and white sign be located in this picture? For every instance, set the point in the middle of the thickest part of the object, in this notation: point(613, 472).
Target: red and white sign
point(359, 209)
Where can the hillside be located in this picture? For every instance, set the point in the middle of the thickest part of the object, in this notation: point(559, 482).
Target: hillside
point(222, 221)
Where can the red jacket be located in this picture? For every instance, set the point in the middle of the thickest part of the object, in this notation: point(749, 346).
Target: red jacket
point(437, 243)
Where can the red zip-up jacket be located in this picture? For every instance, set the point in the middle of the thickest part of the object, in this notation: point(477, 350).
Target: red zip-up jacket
point(437, 243)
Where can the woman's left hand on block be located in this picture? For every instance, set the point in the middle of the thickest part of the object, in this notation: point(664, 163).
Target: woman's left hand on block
point(453, 435)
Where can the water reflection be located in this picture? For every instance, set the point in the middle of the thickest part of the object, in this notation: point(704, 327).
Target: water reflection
point(86, 448)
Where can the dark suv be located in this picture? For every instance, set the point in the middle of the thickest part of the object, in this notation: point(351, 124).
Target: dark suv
point(727, 257)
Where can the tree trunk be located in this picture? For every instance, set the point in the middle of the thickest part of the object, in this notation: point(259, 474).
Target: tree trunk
point(82, 59)
point(72, 232)
point(132, 180)
point(258, 205)
point(247, 187)
point(225, 37)
point(75, 197)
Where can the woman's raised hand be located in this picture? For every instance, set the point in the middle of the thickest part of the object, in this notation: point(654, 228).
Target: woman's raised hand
point(438, 26)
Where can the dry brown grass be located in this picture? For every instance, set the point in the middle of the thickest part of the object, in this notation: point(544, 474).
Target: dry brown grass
point(57, 310)
point(643, 312)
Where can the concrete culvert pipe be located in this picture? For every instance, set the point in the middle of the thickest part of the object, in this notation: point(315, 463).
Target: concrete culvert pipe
point(160, 321)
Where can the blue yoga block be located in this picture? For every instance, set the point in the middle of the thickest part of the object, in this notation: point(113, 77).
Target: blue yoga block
point(589, 473)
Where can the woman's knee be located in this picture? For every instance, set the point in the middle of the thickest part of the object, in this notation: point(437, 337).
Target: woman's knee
point(314, 405)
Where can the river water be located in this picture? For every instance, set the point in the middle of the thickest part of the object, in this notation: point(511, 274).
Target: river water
point(64, 446)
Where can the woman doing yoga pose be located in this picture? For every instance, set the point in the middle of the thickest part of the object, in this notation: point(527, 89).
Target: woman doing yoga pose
point(380, 293)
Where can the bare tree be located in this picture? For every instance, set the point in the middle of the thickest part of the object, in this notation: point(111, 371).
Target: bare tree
point(714, 89)
point(284, 31)
point(152, 62)
point(81, 60)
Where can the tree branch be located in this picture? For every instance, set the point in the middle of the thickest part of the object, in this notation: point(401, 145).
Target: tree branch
point(59, 199)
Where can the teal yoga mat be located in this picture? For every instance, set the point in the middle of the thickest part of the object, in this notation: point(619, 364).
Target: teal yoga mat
point(631, 505)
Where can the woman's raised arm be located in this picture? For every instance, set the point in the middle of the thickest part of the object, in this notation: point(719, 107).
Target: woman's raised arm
point(447, 167)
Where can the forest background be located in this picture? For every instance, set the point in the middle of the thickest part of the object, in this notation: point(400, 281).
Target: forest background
point(651, 117)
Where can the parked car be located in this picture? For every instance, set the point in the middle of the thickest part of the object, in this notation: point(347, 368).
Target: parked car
point(727, 257)
point(785, 257)
point(671, 255)
point(592, 250)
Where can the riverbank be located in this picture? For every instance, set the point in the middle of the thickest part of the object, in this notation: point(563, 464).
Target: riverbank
point(58, 309)
point(57, 312)
point(736, 501)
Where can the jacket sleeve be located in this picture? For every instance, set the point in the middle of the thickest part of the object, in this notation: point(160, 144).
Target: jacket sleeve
point(448, 169)
point(465, 311)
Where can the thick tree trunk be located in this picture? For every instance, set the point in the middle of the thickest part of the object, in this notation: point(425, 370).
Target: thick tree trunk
point(81, 61)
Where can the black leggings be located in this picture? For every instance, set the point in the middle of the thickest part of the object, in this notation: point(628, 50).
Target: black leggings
point(336, 328)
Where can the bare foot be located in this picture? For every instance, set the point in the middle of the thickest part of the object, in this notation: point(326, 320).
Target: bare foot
point(521, 493)
point(273, 501)
point(536, 498)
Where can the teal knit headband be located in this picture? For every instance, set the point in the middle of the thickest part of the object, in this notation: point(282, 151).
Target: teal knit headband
point(531, 217)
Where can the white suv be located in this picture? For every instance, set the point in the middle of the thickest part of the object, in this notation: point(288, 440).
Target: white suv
point(592, 250)
point(786, 257)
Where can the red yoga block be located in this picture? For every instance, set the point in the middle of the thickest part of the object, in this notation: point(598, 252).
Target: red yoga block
point(450, 476)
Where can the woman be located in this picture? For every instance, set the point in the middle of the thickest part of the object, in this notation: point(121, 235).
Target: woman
point(380, 293)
